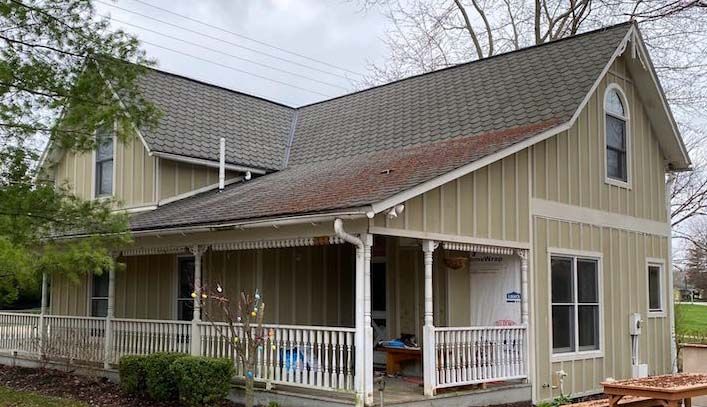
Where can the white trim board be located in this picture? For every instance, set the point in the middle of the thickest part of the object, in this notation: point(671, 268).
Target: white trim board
point(205, 162)
point(571, 213)
point(463, 170)
point(413, 234)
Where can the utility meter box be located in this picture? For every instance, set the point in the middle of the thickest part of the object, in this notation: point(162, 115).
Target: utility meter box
point(635, 323)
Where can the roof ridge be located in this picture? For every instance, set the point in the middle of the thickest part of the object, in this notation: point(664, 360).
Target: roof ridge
point(531, 47)
point(213, 85)
point(480, 60)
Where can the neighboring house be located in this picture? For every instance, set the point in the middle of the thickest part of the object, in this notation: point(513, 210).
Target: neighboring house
point(509, 212)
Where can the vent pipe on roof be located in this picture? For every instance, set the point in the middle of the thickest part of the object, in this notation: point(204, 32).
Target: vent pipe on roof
point(222, 164)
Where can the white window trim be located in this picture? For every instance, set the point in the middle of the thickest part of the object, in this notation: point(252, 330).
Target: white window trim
point(175, 286)
point(93, 168)
point(89, 310)
point(577, 354)
point(654, 261)
point(627, 118)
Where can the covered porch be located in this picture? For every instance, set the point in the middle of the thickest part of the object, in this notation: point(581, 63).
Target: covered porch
point(330, 299)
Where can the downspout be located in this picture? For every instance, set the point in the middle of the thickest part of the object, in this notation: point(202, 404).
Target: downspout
point(359, 338)
point(671, 303)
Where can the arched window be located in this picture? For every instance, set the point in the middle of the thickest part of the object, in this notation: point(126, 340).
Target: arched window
point(616, 119)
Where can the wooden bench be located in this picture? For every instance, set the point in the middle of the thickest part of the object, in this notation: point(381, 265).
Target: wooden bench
point(394, 356)
point(626, 401)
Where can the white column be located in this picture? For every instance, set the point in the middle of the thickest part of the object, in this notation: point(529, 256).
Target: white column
point(367, 322)
point(429, 346)
point(43, 312)
point(524, 297)
point(523, 254)
point(197, 251)
point(110, 314)
point(360, 334)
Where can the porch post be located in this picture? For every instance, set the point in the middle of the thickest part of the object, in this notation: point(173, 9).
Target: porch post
point(359, 382)
point(197, 251)
point(42, 313)
point(524, 294)
point(523, 254)
point(429, 346)
point(110, 313)
point(367, 240)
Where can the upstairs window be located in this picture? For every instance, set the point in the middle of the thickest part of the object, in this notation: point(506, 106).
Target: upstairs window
point(616, 118)
point(104, 161)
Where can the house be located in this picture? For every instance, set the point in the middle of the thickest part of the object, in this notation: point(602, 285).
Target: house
point(510, 213)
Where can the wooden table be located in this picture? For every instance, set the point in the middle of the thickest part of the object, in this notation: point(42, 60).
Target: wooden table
point(394, 356)
point(667, 390)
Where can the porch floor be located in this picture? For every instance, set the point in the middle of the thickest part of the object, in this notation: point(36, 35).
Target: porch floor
point(402, 392)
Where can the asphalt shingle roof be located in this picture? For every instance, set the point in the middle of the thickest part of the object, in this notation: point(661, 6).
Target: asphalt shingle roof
point(415, 129)
point(196, 115)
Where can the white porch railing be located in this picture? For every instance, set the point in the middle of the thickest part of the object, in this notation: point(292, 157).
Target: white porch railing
point(145, 336)
point(295, 355)
point(19, 332)
point(471, 355)
point(75, 338)
point(302, 356)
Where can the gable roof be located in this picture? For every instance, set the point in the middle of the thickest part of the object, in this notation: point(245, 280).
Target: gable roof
point(367, 150)
point(195, 115)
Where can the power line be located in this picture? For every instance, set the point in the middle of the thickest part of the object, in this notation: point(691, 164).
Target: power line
point(248, 38)
point(235, 69)
point(223, 40)
point(228, 54)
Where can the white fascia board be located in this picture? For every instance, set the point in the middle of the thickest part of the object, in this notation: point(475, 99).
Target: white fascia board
point(465, 169)
point(205, 162)
point(645, 56)
point(473, 166)
point(354, 213)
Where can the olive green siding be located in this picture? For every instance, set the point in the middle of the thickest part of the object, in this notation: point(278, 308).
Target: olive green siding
point(177, 178)
point(304, 285)
point(624, 283)
point(489, 203)
point(569, 168)
point(134, 174)
point(405, 288)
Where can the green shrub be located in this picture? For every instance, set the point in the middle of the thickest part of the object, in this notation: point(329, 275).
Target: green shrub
point(132, 374)
point(201, 380)
point(160, 382)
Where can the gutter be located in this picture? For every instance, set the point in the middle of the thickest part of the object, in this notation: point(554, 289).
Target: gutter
point(272, 222)
point(205, 162)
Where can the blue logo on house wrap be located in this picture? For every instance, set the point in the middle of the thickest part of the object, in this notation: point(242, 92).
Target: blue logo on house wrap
point(513, 296)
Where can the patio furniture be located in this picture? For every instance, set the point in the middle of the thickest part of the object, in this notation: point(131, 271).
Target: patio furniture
point(669, 390)
point(395, 356)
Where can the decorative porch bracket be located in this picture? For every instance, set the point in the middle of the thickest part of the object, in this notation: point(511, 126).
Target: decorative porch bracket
point(429, 347)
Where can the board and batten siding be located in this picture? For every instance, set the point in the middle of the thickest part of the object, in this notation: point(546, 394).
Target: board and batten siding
point(177, 178)
point(569, 168)
point(623, 291)
point(134, 174)
point(304, 285)
point(491, 203)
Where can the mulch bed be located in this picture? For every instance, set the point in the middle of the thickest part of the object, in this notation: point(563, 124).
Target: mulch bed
point(669, 382)
point(90, 390)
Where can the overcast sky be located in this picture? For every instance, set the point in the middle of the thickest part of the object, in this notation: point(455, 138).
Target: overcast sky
point(333, 32)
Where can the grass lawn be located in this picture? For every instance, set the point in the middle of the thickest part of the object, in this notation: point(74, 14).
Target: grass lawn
point(691, 318)
point(25, 399)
